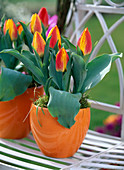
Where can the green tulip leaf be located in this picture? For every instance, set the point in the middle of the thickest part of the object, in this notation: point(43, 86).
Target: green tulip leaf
point(57, 76)
point(79, 52)
point(37, 58)
point(28, 36)
point(9, 60)
point(12, 84)
point(115, 56)
point(43, 31)
point(97, 69)
point(64, 106)
point(30, 56)
point(46, 60)
point(79, 72)
point(67, 75)
point(68, 44)
point(28, 64)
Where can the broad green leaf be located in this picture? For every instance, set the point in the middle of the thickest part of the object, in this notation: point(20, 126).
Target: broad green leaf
point(28, 64)
point(9, 60)
point(64, 106)
point(79, 72)
point(28, 36)
point(115, 56)
point(69, 44)
point(30, 56)
point(12, 84)
point(96, 70)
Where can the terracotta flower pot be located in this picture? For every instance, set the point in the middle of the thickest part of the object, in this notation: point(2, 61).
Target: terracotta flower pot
point(53, 139)
point(14, 112)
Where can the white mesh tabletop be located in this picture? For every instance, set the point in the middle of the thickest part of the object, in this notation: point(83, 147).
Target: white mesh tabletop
point(97, 151)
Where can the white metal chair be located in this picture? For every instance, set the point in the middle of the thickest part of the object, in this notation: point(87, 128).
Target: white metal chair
point(98, 151)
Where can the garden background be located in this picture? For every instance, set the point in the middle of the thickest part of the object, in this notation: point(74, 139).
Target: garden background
point(106, 91)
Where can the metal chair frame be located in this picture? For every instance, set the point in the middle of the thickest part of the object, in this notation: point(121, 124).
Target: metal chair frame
point(98, 151)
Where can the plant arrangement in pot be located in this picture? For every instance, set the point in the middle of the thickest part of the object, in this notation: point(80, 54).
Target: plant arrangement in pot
point(16, 84)
point(60, 119)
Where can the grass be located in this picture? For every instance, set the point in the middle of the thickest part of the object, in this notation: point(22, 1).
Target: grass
point(107, 90)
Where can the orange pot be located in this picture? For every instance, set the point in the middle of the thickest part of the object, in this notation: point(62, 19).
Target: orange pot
point(53, 139)
point(13, 114)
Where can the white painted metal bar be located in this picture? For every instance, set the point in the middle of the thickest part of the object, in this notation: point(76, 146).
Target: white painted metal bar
point(105, 106)
point(100, 8)
point(114, 4)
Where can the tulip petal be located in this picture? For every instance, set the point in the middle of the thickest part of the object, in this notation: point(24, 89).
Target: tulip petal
point(43, 14)
point(35, 24)
point(55, 36)
point(62, 59)
point(11, 26)
point(38, 43)
point(84, 42)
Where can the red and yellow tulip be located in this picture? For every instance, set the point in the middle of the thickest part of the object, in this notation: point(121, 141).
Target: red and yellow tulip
point(19, 27)
point(55, 36)
point(84, 42)
point(62, 59)
point(38, 43)
point(43, 14)
point(35, 24)
point(11, 26)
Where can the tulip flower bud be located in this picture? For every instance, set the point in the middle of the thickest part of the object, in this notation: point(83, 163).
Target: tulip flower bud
point(38, 43)
point(55, 36)
point(43, 14)
point(19, 27)
point(10, 25)
point(35, 24)
point(62, 59)
point(84, 42)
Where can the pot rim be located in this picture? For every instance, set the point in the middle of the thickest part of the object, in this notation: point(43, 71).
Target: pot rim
point(45, 108)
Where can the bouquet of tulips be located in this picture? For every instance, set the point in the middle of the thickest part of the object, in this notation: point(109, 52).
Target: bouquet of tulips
point(15, 78)
point(54, 61)
point(12, 81)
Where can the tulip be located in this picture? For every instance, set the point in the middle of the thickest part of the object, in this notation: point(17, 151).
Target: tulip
point(38, 43)
point(84, 42)
point(35, 24)
point(11, 26)
point(53, 20)
point(43, 14)
point(55, 36)
point(19, 28)
point(62, 59)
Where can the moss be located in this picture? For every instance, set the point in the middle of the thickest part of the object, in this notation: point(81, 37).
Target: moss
point(42, 101)
point(83, 101)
